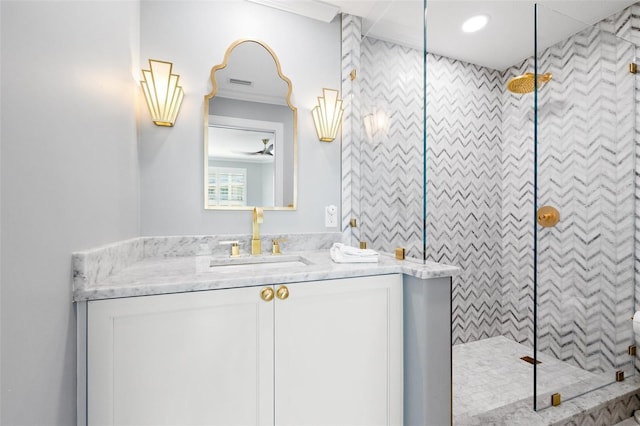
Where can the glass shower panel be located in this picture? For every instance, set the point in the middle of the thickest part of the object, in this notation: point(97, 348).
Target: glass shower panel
point(388, 130)
point(584, 203)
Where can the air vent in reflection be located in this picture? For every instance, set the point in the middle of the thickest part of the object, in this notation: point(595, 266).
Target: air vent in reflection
point(240, 82)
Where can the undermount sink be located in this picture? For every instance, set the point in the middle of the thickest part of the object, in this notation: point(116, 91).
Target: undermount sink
point(257, 263)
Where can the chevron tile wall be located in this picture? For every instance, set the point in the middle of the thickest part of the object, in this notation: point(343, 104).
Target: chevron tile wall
point(464, 185)
point(626, 25)
point(391, 155)
point(517, 171)
point(479, 186)
point(585, 169)
point(608, 414)
point(351, 127)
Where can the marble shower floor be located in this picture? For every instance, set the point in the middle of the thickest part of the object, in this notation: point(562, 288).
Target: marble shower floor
point(489, 374)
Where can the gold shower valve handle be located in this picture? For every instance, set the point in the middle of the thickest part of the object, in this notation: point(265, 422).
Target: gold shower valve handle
point(548, 216)
point(282, 292)
point(267, 294)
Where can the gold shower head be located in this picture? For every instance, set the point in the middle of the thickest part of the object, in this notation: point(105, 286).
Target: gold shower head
point(525, 83)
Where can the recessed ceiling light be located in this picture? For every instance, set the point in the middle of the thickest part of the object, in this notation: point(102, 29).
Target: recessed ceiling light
point(475, 23)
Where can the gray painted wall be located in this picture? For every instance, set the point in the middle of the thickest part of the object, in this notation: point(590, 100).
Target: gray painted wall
point(69, 181)
point(88, 167)
point(171, 158)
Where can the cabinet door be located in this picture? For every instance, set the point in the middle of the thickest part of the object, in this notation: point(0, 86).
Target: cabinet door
point(202, 358)
point(338, 352)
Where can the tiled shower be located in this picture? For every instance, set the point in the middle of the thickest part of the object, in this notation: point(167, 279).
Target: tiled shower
point(479, 189)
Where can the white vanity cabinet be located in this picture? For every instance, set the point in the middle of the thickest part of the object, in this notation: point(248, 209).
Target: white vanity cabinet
point(338, 353)
point(181, 359)
point(328, 352)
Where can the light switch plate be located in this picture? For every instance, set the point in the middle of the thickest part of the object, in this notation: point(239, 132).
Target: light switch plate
point(331, 216)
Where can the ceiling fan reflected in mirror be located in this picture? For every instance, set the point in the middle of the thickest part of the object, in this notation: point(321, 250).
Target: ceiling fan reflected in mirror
point(266, 150)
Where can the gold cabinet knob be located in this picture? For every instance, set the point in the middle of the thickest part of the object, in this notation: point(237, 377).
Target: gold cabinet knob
point(283, 292)
point(267, 294)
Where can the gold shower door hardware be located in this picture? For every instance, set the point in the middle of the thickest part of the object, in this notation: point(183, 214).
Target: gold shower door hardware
point(282, 292)
point(556, 399)
point(619, 376)
point(267, 294)
point(632, 350)
point(548, 216)
point(530, 360)
point(633, 68)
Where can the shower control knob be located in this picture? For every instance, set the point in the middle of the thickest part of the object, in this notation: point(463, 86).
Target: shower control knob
point(548, 216)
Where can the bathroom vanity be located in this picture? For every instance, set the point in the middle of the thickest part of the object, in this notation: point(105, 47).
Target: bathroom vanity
point(169, 336)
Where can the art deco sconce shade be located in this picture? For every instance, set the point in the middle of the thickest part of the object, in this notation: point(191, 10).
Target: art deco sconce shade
point(327, 115)
point(162, 93)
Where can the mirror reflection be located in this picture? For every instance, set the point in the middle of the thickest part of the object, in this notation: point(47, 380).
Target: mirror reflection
point(250, 132)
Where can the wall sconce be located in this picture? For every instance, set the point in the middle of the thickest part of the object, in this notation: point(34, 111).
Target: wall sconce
point(162, 93)
point(376, 125)
point(327, 115)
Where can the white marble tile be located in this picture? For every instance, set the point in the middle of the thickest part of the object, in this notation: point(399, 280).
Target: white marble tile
point(492, 367)
point(95, 265)
point(193, 245)
point(631, 421)
point(169, 266)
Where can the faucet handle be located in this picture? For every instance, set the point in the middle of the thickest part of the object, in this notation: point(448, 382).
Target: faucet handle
point(276, 244)
point(235, 247)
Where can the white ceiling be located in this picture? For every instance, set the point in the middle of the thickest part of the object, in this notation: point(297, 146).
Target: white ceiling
point(507, 39)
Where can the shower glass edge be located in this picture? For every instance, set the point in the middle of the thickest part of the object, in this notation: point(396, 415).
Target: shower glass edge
point(424, 133)
point(584, 163)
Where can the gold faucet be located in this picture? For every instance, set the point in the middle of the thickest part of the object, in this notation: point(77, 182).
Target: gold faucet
point(258, 218)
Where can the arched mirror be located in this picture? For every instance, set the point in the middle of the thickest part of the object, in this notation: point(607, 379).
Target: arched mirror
point(250, 132)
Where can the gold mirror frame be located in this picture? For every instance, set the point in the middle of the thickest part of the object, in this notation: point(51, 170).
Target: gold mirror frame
point(294, 110)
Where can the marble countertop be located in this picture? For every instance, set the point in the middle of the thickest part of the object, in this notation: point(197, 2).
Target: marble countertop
point(176, 274)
